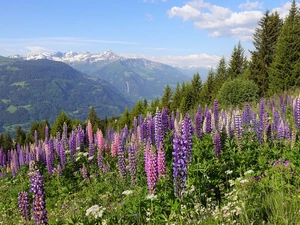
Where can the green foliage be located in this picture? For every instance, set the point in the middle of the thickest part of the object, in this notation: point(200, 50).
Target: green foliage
point(206, 95)
point(20, 136)
point(220, 77)
point(59, 122)
point(237, 63)
point(166, 99)
point(265, 40)
point(238, 91)
point(284, 72)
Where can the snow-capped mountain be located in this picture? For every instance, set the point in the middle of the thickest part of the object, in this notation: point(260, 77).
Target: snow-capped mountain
point(72, 57)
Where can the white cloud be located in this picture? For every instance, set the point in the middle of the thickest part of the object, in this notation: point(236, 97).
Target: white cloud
point(36, 49)
point(149, 17)
point(251, 5)
point(283, 11)
point(223, 22)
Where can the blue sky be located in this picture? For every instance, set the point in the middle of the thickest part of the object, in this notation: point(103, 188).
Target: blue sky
point(176, 32)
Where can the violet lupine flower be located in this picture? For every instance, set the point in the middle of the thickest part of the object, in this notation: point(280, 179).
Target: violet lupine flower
point(187, 134)
point(62, 153)
point(64, 135)
point(135, 126)
point(49, 157)
point(24, 206)
point(151, 131)
point(36, 138)
point(208, 127)
point(100, 144)
point(159, 137)
point(180, 164)
point(238, 129)
point(121, 159)
point(297, 113)
point(132, 159)
point(246, 117)
point(46, 133)
point(281, 131)
point(287, 130)
point(39, 204)
point(265, 126)
point(165, 120)
point(198, 123)
point(151, 168)
point(161, 162)
point(217, 144)
point(172, 120)
point(72, 146)
point(216, 114)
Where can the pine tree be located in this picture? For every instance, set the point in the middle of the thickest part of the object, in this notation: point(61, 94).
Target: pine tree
point(20, 136)
point(166, 99)
point(196, 87)
point(265, 39)
point(59, 122)
point(284, 72)
point(237, 63)
point(138, 109)
point(206, 94)
point(220, 77)
point(176, 98)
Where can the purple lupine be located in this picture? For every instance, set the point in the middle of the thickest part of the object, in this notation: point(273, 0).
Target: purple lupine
point(266, 125)
point(151, 131)
point(287, 130)
point(161, 162)
point(132, 159)
point(72, 146)
point(46, 133)
point(165, 120)
point(297, 113)
point(151, 168)
point(281, 131)
point(172, 120)
point(216, 114)
point(208, 127)
point(39, 204)
point(36, 138)
point(238, 129)
point(158, 129)
point(180, 164)
point(217, 145)
point(121, 159)
point(24, 206)
point(246, 116)
point(49, 157)
point(198, 123)
point(135, 126)
point(62, 152)
point(187, 134)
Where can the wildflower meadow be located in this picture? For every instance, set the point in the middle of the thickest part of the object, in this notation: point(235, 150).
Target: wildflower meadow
point(210, 166)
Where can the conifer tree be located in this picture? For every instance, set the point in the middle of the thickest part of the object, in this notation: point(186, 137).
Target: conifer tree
point(207, 90)
point(176, 98)
point(196, 87)
point(94, 119)
point(284, 72)
point(220, 77)
point(265, 39)
point(166, 99)
point(237, 63)
point(59, 122)
point(20, 136)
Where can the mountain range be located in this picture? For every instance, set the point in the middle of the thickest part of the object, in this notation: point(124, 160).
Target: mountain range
point(35, 90)
point(135, 78)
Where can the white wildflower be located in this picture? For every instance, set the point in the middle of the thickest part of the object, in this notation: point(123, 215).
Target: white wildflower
point(244, 181)
point(90, 158)
point(96, 211)
point(85, 154)
point(151, 197)
point(228, 172)
point(127, 192)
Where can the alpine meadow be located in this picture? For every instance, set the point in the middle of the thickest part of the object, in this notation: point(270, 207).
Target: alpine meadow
point(104, 139)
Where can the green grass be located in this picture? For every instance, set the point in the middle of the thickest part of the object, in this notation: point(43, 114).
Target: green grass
point(5, 101)
point(28, 107)
point(20, 83)
point(12, 109)
point(12, 68)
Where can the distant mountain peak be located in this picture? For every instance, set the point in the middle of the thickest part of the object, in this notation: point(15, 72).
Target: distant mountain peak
point(71, 56)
